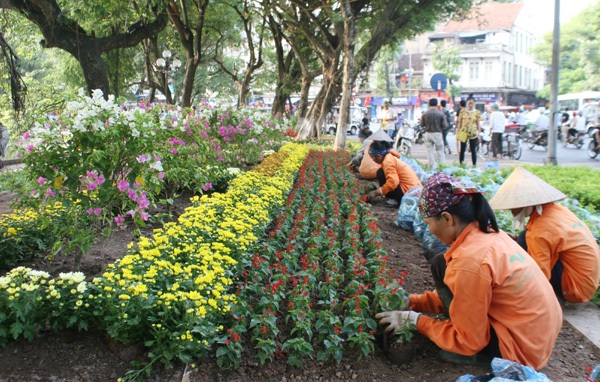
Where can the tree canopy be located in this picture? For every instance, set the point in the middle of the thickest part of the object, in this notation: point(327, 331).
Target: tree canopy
point(579, 53)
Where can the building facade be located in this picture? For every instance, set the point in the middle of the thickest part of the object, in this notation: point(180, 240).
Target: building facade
point(497, 63)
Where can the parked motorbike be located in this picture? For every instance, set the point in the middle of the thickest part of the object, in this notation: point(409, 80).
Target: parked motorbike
point(592, 151)
point(419, 133)
point(511, 145)
point(575, 138)
point(404, 138)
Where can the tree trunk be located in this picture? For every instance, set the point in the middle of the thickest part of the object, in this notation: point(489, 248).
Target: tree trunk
point(348, 43)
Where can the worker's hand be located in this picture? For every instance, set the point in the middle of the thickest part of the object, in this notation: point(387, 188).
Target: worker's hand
point(398, 320)
point(374, 194)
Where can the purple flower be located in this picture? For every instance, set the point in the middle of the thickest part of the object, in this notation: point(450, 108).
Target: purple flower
point(41, 180)
point(92, 186)
point(50, 193)
point(94, 211)
point(26, 135)
point(161, 175)
point(173, 151)
point(119, 219)
point(207, 186)
point(132, 195)
point(123, 185)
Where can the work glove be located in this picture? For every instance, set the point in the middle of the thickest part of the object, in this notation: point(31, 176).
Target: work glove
point(374, 194)
point(398, 320)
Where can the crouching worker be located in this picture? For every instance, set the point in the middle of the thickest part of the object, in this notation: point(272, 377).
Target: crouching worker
point(562, 245)
point(498, 301)
point(395, 177)
point(362, 162)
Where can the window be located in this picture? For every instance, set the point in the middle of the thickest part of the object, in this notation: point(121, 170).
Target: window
point(487, 70)
point(474, 71)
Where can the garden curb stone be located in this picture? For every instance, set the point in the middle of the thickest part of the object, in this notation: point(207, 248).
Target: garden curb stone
point(585, 318)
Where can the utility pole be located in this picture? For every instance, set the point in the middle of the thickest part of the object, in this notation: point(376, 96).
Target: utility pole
point(552, 133)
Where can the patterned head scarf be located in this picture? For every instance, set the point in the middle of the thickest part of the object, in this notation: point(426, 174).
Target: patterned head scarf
point(441, 192)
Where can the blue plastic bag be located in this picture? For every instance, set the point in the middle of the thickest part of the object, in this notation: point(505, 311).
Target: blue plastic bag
point(508, 371)
point(409, 208)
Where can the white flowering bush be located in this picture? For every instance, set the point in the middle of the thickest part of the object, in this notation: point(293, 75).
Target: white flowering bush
point(107, 165)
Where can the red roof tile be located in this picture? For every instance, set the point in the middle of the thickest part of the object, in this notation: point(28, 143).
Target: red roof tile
point(486, 17)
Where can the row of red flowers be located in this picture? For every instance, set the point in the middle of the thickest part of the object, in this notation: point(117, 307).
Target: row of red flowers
point(319, 276)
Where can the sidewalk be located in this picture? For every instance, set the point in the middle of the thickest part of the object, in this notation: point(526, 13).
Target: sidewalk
point(420, 153)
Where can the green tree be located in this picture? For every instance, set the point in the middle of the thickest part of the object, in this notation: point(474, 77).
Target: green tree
point(446, 59)
point(88, 30)
point(579, 53)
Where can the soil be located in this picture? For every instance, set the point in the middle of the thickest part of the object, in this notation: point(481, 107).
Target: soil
point(71, 356)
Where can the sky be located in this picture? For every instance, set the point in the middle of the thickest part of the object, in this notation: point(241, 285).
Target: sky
point(568, 9)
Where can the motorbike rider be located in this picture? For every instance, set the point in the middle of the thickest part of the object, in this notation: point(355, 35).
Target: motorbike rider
point(542, 123)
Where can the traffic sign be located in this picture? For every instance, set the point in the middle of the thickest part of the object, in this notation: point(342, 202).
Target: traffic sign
point(439, 81)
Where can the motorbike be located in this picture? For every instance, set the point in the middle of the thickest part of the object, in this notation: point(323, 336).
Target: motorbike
point(592, 151)
point(404, 138)
point(575, 138)
point(538, 138)
point(419, 134)
point(511, 144)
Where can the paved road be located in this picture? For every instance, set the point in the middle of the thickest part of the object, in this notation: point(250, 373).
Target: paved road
point(567, 156)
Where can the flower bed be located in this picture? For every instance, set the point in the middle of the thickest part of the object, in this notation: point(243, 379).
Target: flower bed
point(107, 166)
point(314, 285)
point(171, 291)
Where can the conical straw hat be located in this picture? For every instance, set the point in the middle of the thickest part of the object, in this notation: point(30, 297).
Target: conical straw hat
point(523, 189)
point(381, 135)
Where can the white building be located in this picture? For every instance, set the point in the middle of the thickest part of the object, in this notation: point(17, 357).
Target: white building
point(497, 64)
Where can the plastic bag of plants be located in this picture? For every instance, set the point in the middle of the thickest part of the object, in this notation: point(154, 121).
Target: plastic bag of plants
point(504, 370)
point(415, 166)
point(432, 245)
point(419, 227)
point(409, 209)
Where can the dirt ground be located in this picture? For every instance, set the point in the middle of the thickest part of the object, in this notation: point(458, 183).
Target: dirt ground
point(71, 356)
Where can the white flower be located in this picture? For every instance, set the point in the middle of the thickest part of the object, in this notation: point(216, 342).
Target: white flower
point(81, 287)
point(233, 170)
point(39, 274)
point(135, 132)
point(156, 166)
point(73, 276)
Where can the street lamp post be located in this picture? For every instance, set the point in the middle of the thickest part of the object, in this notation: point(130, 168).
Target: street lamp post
point(165, 64)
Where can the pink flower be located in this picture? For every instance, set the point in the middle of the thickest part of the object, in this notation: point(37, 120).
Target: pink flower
point(41, 180)
point(144, 216)
point(143, 201)
point(123, 185)
point(92, 186)
point(30, 148)
point(94, 211)
point(50, 193)
point(119, 220)
point(161, 176)
point(207, 186)
point(26, 135)
point(173, 151)
point(100, 180)
point(132, 195)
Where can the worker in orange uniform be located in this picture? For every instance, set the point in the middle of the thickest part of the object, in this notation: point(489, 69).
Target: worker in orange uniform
point(395, 177)
point(562, 245)
point(498, 300)
point(362, 161)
